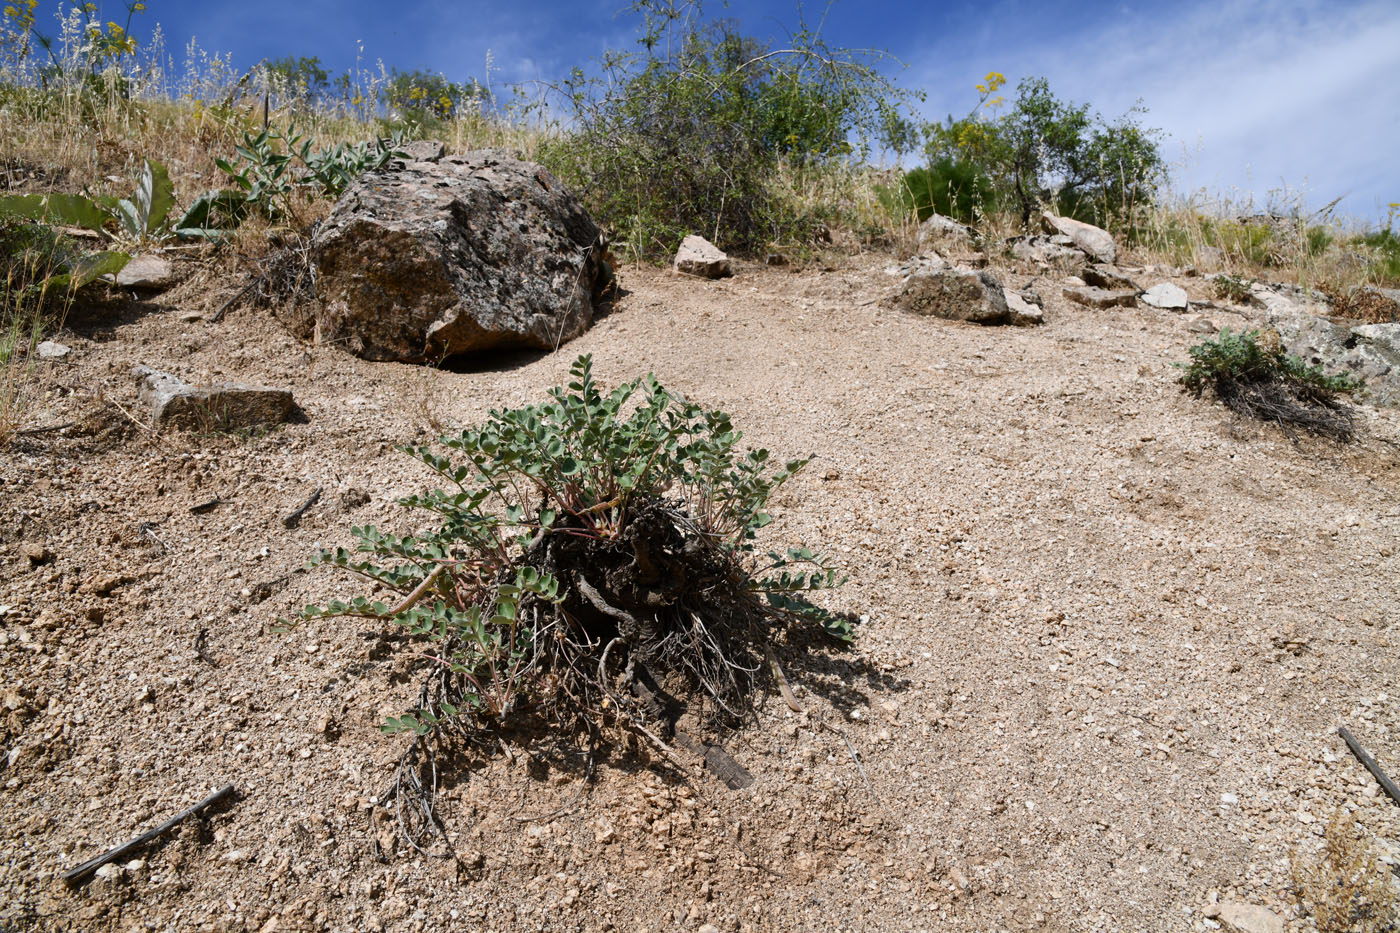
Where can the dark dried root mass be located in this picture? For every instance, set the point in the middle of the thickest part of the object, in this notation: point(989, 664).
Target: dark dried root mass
point(664, 599)
point(1289, 405)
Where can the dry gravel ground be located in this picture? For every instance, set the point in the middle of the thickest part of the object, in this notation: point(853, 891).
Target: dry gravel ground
point(1110, 634)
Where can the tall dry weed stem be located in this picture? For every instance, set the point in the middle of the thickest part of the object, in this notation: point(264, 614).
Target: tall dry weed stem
point(1346, 888)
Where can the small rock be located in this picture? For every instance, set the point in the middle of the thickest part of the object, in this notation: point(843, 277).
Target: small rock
point(36, 554)
point(190, 317)
point(1043, 251)
point(236, 855)
point(708, 928)
point(698, 256)
point(1095, 241)
point(951, 240)
point(1022, 311)
point(104, 585)
point(135, 866)
point(1166, 296)
point(151, 272)
point(52, 350)
point(110, 873)
point(1107, 276)
point(170, 401)
point(1229, 800)
point(1201, 326)
point(939, 228)
point(1101, 298)
point(1245, 918)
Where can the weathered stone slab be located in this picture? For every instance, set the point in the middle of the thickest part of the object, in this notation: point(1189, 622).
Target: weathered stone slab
point(172, 402)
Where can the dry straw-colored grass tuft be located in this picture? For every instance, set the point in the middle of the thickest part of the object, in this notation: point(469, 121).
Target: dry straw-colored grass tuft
point(1346, 888)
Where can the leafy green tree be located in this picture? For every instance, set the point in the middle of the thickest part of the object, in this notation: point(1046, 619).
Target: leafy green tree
point(418, 96)
point(299, 77)
point(686, 135)
point(1045, 152)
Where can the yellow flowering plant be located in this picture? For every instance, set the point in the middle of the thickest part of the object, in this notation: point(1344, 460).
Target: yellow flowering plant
point(103, 43)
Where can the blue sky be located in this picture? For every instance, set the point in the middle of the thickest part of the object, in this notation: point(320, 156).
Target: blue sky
point(1254, 96)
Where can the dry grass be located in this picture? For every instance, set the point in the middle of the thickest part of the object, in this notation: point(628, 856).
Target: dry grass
point(1285, 243)
point(1346, 888)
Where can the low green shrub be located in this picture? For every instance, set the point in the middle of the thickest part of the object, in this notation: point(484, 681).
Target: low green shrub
point(272, 165)
point(1265, 383)
point(40, 269)
point(687, 135)
point(575, 547)
point(955, 188)
point(1232, 287)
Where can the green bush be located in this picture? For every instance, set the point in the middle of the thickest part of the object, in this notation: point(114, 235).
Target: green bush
point(1233, 287)
point(1045, 152)
point(1386, 267)
point(574, 541)
point(40, 270)
point(270, 167)
point(1265, 383)
point(688, 135)
point(955, 188)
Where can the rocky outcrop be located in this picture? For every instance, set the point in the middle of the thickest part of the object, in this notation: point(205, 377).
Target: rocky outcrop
point(1094, 241)
point(698, 256)
point(1110, 277)
point(1092, 296)
point(427, 259)
point(1369, 352)
point(1046, 251)
point(169, 401)
point(935, 288)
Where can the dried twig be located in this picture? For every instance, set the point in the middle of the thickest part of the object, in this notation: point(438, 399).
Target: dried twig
point(292, 520)
point(199, 645)
point(84, 871)
point(223, 308)
point(47, 429)
point(796, 707)
point(1370, 764)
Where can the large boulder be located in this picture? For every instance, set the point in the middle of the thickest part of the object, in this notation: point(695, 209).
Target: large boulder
point(956, 293)
point(427, 259)
point(1098, 243)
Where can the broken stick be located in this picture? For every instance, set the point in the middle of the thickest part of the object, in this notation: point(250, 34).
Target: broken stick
point(293, 519)
point(76, 876)
point(1370, 764)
